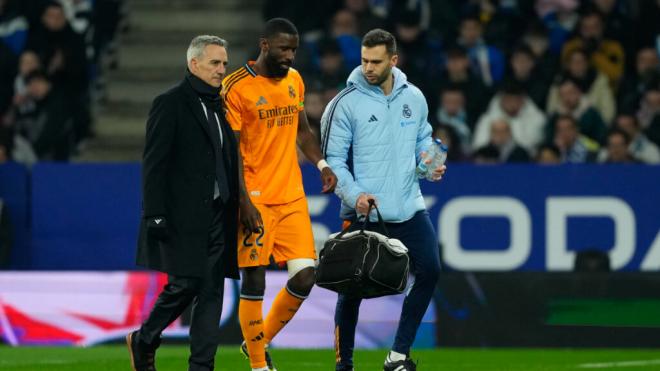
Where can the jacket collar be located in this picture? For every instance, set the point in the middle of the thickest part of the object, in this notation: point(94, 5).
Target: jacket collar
point(356, 78)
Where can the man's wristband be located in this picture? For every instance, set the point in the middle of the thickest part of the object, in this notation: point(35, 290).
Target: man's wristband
point(322, 164)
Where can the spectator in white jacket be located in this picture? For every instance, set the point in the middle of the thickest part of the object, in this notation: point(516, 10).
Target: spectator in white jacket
point(513, 105)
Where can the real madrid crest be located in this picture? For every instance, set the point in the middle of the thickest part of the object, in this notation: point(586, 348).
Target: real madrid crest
point(406, 111)
point(292, 93)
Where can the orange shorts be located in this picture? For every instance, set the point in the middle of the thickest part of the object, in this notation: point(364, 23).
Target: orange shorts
point(287, 234)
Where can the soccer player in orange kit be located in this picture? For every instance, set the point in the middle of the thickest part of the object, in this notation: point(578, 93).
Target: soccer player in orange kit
point(265, 107)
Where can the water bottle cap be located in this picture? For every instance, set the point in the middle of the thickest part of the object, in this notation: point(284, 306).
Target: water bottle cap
point(439, 143)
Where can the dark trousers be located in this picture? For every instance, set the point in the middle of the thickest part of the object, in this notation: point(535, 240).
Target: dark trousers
point(205, 293)
point(419, 237)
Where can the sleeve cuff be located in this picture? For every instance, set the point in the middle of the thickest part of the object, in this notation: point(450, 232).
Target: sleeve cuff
point(350, 197)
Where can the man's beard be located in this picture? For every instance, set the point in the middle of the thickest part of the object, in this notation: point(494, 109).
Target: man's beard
point(381, 79)
point(275, 68)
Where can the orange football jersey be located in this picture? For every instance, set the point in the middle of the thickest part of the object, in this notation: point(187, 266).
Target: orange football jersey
point(265, 112)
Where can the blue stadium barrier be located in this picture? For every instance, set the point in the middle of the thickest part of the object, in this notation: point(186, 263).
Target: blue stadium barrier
point(548, 213)
point(14, 188)
point(499, 218)
point(85, 216)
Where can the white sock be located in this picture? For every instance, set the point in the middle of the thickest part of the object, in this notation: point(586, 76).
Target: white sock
point(260, 369)
point(393, 356)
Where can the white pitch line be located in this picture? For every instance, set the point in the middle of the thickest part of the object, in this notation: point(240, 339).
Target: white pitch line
point(42, 362)
point(621, 364)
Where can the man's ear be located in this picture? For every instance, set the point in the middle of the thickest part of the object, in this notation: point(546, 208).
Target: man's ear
point(263, 44)
point(394, 60)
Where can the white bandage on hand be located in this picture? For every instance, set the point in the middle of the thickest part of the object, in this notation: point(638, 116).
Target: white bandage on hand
point(322, 164)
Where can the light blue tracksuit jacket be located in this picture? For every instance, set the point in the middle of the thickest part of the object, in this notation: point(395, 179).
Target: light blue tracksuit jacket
point(373, 143)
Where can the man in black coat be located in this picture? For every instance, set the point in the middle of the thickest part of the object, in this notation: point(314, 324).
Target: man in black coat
point(190, 207)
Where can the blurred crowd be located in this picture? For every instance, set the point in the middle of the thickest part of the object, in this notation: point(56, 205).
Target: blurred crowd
point(547, 81)
point(52, 57)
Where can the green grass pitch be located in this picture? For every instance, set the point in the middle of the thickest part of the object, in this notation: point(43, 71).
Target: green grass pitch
point(171, 358)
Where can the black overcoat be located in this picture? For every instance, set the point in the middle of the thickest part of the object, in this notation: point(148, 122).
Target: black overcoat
point(178, 172)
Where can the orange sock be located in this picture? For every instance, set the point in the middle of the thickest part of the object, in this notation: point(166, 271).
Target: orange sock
point(250, 316)
point(283, 309)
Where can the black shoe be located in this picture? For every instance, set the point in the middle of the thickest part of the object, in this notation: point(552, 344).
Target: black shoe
point(141, 360)
point(269, 361)
point(406, 365)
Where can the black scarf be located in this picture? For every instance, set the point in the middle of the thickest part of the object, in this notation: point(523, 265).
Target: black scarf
point(209, 95)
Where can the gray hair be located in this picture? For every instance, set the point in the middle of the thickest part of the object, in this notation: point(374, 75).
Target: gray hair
point(197, 45)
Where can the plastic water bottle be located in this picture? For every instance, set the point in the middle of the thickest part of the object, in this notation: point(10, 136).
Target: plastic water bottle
point(438, 154)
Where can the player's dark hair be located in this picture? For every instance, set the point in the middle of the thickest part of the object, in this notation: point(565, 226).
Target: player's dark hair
point(278, 25)
point(379, 36)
